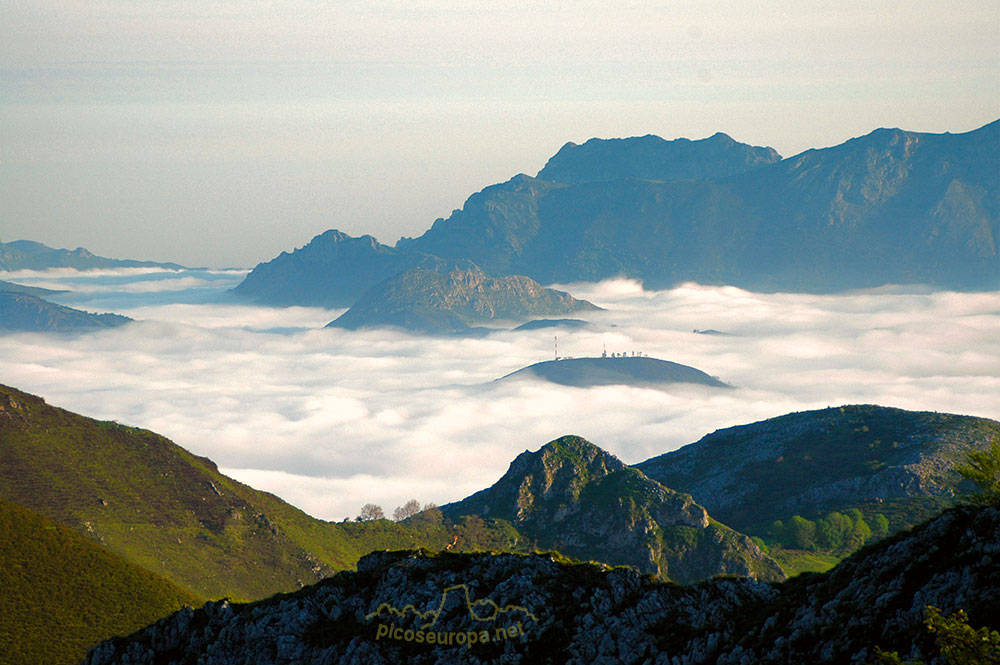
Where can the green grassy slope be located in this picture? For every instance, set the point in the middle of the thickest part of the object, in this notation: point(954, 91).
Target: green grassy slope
point(62, 593)
point(172, 512)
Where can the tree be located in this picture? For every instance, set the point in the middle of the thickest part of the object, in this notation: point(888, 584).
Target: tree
point(959, 642)
point(801, 532)
point(408, 509)
point(982, 467)
point(369, 512)
point(859, 535)
point(880, 525)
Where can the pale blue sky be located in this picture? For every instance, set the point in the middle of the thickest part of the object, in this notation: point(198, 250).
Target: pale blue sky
point(221, 133)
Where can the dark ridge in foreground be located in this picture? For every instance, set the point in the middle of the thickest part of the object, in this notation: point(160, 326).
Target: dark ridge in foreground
point(634, 370)
point(481, 608)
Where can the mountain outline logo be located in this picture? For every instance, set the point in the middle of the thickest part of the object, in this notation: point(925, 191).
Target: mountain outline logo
point(493, 612)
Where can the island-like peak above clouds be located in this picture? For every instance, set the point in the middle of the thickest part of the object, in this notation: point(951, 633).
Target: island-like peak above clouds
point(630, 370)
point(455, 300)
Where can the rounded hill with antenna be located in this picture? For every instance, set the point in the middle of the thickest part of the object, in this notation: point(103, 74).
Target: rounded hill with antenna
point(631, 369)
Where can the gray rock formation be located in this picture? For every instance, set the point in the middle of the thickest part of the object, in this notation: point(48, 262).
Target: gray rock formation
point(482, 608)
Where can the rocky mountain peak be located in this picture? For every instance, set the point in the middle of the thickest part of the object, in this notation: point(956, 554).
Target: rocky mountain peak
point(577, 498)
point(453, 297)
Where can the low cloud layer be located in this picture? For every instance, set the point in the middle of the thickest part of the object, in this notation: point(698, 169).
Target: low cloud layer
point(331, 419)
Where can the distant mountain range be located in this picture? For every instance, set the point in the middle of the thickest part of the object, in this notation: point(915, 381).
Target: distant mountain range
point(29, 255)
point(890, 207)
point(22, 312)
point(618, 370)
point(437, 301)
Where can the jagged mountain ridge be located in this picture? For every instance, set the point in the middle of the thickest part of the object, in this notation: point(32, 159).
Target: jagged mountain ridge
point(897, 461)
point(574, 497)
point(439, 301)
point(653, 158)
point(585, 614)
point(332, 270)
point(889, 207)
point(24, 312)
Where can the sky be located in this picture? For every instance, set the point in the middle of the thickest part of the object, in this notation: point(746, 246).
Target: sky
point(332, 419)
point(221, 132)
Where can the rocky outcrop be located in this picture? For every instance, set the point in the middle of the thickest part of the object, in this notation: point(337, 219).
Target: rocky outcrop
point(830, 459)
point(584, 502)
point(481, 608)
point(446, 300)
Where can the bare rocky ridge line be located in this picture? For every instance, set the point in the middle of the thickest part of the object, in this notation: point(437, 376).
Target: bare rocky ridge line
point(595, 615)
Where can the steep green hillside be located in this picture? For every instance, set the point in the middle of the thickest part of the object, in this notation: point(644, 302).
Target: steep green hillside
point(876, 459)
point(62, 593)
point(172, 512)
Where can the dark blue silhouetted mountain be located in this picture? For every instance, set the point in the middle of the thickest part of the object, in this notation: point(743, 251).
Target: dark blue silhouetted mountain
point(30, 255)
point(23, 312)
point(652, 158)
point(891, 207)
point(538, 324)
point(11, 287)
point(333, 270)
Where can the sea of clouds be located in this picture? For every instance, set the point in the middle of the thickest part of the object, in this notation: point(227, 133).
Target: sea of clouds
point(331, 419)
